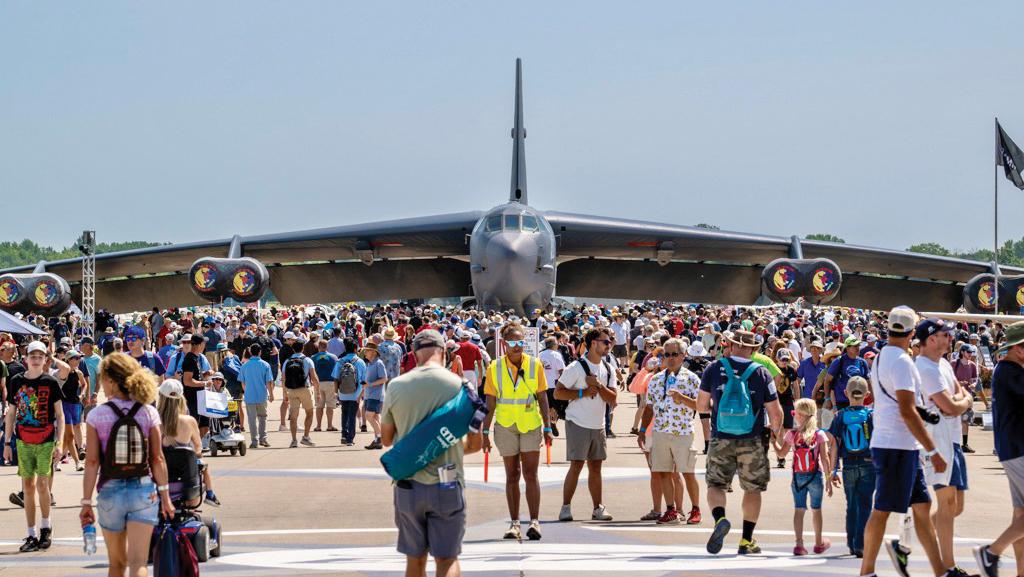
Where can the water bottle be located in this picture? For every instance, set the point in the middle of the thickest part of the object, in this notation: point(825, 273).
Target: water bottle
point(89, 539)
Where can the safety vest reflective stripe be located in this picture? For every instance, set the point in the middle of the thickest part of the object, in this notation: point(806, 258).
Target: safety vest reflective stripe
point(514, 401)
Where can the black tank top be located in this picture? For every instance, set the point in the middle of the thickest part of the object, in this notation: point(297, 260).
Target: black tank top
point(69, 389)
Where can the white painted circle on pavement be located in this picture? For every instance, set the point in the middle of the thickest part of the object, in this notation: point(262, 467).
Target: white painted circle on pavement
point(511, 556)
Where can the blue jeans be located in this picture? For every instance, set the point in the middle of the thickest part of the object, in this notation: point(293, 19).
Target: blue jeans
point(859, 484)
point(124, 500)
point(349, 409)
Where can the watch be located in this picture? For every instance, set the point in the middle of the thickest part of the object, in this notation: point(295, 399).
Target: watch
point(928, 454)
point(88, 502)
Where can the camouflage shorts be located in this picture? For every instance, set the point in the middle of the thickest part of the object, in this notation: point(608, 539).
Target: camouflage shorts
point(726, 455)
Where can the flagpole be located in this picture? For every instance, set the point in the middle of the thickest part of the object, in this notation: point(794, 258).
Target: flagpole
point(995, 224)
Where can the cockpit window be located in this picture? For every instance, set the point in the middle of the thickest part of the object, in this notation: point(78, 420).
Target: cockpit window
point(511, 222)
point(529, 222)
point(494, 222)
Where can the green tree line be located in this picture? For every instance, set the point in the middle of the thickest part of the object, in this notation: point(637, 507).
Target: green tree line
point(26, 252)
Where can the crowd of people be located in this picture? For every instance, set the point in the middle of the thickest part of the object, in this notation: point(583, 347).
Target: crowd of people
point(877, 403)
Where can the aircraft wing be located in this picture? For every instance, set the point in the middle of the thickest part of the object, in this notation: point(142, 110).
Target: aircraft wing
point(618, 258)
point(411, 258)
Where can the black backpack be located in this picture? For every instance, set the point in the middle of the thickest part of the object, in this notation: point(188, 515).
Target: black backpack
point(126, 454)
point(295, 373)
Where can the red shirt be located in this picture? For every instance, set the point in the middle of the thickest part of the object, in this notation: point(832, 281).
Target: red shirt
point(470, 355)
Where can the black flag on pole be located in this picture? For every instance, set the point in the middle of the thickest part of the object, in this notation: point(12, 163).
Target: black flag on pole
point(1010, 158)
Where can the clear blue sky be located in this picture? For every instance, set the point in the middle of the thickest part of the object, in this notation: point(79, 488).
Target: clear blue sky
point(195, 120)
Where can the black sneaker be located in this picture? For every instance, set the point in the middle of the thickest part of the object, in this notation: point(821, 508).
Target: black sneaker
point(956, 571)
point(717, 539)
point(17, 499)
point(362, 428)
point(45, 537)
point(967, 449)
point(987, 562)
point(31, 544)
point(53, 502)
point(900, 556)
point(781, 464)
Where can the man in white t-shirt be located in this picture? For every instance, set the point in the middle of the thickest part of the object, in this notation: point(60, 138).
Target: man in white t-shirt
point(554, 364)
point(946, 398)
point(589, 389)
point(895, 443)
point(620, 328)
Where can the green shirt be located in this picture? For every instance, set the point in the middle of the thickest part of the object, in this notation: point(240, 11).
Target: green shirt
point(412, 397)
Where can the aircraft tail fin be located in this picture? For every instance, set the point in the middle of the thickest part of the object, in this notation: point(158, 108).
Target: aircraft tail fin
point(518, 192)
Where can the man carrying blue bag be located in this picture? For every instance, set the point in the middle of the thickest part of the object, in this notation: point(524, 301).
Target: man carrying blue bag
point(430, 507)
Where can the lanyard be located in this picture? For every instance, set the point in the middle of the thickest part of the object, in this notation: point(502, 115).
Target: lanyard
point(515, 379)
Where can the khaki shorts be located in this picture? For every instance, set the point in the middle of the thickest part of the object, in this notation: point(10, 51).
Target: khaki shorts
point(297, 397)
point(326, 397)
point(726, 456)
point(583, 444)
point(510, 442)
point(672, 453)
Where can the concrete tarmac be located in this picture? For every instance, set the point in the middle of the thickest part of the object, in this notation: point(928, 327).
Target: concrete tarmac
point(327, 510)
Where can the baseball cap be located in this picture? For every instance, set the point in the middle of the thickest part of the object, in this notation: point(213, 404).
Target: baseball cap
point(36, 346)
point(217, 375)
point(929, 327)
point(426, 339)
point(172, 389)
point(968, 349)
point(222, 346)
point(74, 354)
point(851, 341)
point(86, 341)
point(857, 387)
point(289, 335)
point(902, 320)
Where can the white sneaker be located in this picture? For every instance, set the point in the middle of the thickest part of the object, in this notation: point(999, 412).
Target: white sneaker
point(308, 442)
point(293, 444)
point(600, 514)
point(281, 428)
point(566, 513)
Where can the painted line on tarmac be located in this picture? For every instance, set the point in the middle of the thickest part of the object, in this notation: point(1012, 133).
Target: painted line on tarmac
point(516, 557)
point(99, 538)
point(774, 532)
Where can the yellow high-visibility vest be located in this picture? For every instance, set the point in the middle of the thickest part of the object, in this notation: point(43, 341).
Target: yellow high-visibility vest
point(516, 404)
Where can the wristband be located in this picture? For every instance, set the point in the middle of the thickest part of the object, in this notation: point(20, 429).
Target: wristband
point(485, 431)
point(643, 429)
point(87, 502)
point(581, 393)
point(928, 455)
point(162, 488)
point(547, 429)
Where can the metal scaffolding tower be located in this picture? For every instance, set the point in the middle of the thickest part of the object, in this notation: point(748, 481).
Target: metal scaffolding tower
point(88, 250)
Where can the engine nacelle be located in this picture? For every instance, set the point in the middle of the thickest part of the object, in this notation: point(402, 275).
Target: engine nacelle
point(816, 280)
point(980, 297)
point(42, 293)
point(243, 279)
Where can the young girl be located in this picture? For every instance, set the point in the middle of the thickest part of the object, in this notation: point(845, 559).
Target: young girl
point(810, 458)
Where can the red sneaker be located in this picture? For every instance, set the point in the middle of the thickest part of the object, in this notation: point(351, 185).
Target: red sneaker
point(694, 518)
point(671, 517)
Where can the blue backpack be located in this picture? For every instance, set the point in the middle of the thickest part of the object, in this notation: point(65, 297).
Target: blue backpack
point(856, 430)
point(736, 414)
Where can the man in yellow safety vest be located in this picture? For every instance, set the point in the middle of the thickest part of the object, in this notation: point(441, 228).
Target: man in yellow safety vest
point(517, 400)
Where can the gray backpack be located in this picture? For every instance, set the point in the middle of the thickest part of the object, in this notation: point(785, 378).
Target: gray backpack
point(347, 382)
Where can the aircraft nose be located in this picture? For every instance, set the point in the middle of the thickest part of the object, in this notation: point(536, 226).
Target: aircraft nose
point(503, 248)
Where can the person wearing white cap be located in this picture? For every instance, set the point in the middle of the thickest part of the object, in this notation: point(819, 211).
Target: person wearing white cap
point(896, 443)
point(38, 419)
point(179, 429)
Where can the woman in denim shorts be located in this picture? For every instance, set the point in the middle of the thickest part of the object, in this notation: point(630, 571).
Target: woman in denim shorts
point(127, 508)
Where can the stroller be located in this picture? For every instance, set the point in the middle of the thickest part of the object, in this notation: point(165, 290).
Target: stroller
point(185, 476)
point(224, 434)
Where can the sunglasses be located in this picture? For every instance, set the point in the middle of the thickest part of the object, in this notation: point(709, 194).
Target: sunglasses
point(604, 341)
point(672, 355)
point(132, 339)
point(514, 344)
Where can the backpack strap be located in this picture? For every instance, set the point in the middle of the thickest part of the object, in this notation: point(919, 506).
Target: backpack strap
point(117, 410)
point(134, 410)
point(608, 367)
point(750, 371)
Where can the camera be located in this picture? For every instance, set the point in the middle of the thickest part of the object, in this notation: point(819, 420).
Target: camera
point(928, 416)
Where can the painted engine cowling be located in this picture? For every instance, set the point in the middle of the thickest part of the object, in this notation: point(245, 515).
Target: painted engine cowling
point(980, 297)
point(41, 293)
point(816, 280)
point(242, 279)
